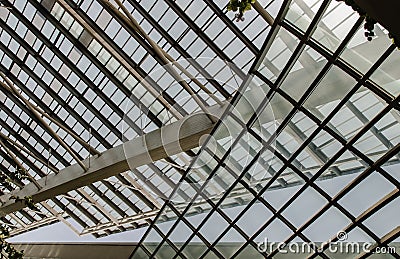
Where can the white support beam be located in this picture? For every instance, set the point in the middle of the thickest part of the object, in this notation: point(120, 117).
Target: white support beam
point(171, 139)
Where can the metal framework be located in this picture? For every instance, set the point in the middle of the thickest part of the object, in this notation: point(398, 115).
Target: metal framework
point(80, 66)
point(306, 55)
point(312, 104)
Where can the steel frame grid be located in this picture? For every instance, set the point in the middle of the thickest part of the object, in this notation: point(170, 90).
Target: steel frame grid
point(53, 44)
point(393, 104)
point(235, 99)
point(283, 22)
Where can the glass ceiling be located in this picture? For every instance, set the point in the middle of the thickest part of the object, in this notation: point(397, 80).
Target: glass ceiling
point(314, 111)
point(325, 103)
point(79, 65)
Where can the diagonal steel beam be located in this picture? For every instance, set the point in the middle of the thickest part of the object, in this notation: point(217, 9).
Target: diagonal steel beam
point(113, 161)
point(174, 138)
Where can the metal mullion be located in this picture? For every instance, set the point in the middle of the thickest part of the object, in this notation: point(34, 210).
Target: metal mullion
point(341, 151)
point(133, 184)
point(369, 162)
point(257, 196)
point(97, 206)
point(333, 133)
point(25, 159)
point(109, 202)
point(330, 127)
point(83, 211)
point(220, 14)
point(384, 241)
point(214, 206)
point(365, 215)
point(283, 207)
point(149, 184)
point(232, 224)
point(217, 179)
point(167, 64)
point(333, 202)
point(298, 105)
point(203, 186)
point(39, 172)
point(26, 144)
point(146, 251)
point(52, 71)
point(26, 127)
point(261, 159)
point(294, 57)
point(313, 149)
point(36, 117)
point(238, 217)
point(106, 199)
point(137, 193)
point(276, 214)
point(233, 102)
point(276, 85)
point(227, 45)
point(59, 216)
point(121, 196)
point(271, 35)
point(226, 218)
point(275, 26)
point(309, 12)
point(235, 164)
point(60, 158)
point(31, 165)
point(9, 86)
point(312, 220)
point(38, 101)
point(93, 59)
point(190, 226)
point(168, 181)
point(379, 91)
point(67, 62)
point(171, 244)
point(263, 163)
point(130, 64)
point(343, 101)
point(28, 111)
point(374, 130)
point(19, 220)
point(174, 44)
point(326, 120)
point(203, 36)
point(118, 194)
point(189, 179)
point(69, 212)
point(252, 22)
point(64, 82)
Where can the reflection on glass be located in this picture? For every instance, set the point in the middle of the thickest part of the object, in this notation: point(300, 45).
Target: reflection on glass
point(278, 54)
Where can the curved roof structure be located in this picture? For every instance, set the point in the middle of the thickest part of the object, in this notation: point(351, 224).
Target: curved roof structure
point(172, 114)
point(85, 80)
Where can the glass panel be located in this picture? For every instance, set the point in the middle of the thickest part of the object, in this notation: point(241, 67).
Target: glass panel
point(303, 73)
point(386, 75)
point(278, 54)
point(335, 24)
point(301, 12)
